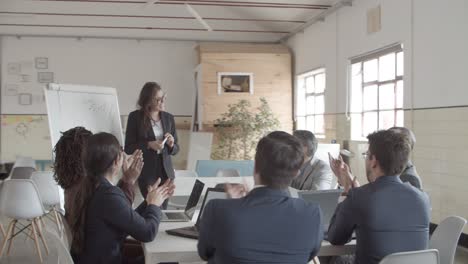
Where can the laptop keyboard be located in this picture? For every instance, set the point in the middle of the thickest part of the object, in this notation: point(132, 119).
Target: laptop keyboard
point(175, 215)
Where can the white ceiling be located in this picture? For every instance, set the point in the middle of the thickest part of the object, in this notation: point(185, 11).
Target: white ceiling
point(231, 20)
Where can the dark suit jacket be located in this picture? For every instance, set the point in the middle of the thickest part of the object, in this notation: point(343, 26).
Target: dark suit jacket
point(135, 138)
point(266, 226)
point(387, 215)
point(110, 219)
point(410, 175)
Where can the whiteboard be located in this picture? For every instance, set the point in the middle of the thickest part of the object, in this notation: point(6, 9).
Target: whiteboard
point(93, 107)
point(324, 149)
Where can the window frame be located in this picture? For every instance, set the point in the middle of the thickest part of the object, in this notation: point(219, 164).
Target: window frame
point(304, 76)
point(376, 55)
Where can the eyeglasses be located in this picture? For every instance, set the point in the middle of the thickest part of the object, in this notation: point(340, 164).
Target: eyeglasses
point(160, 99)
point(365, 154)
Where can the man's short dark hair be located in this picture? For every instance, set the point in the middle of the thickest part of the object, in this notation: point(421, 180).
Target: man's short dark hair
point(391, 149)
point(307, 140)
point(278, 159)
point(407, 132)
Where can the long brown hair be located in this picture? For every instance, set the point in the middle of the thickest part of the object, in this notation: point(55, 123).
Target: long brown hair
point(101, 151)
point(145, 102)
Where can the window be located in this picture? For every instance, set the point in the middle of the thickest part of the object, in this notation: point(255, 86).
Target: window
point(376, 91)
point(310, 102)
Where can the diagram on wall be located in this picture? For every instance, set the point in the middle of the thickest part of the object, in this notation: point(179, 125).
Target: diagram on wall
point(25, 135)
point(22, 85)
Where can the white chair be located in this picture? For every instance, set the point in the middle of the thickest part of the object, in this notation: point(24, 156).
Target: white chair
point(49, 193)
point(19, 200)
point(185, 173)
point(428, 256)
point(63, 253)
point(227, 173)
point(445, 238)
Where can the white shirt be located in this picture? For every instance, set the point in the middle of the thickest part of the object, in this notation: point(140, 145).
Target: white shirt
point(158, 130)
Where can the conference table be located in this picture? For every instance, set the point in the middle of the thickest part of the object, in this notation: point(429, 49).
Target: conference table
point(168, 248)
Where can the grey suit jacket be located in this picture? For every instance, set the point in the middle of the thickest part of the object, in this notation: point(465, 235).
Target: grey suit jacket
point(410, 175)
point(387, 215)
point(266, 226)
point(315, 175)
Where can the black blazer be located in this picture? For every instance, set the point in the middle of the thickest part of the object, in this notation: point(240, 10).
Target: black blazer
point(135, 138)
point(266, 226)
point(110, 219)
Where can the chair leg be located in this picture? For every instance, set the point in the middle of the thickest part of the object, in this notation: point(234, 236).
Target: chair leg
point(57, 220)
point(3, 230)
point(36, 242)
point(8, 235)
point(11, 239)
point(41, 235)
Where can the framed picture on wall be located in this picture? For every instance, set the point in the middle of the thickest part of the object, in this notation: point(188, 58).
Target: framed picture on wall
point(235, 82)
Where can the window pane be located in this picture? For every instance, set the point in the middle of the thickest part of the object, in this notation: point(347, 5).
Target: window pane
point(356, 69)
point(310, 84)
point(301, 122)
point(370, 70)
point(319, 125)
point(310, 104)
point(319, 104)
point(387, 67)
point(400, 64)
point(356, 93)
point(400, 118)
point(387, 96)
point(310, 123)
point(386, 119)
point(320, 83)
point(399, 94)
point(369, 123)
point(370, 97)
point(301, 105)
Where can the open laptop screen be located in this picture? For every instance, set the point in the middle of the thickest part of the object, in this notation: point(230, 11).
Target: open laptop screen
point(327, 199)
point(194, 198)
point(211, 193)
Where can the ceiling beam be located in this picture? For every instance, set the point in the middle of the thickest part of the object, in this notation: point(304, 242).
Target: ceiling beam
point(205, 3)
point(13, 14)
point(198, 17)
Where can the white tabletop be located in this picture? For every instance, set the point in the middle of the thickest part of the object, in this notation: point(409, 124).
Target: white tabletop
point(168, 248)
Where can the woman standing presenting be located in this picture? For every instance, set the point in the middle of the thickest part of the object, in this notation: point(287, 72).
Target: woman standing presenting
point(153, 131)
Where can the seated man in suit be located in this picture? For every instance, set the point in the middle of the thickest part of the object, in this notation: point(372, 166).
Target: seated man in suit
point(315, 174)
point(264, 225)
point(387, 215)
point(409, 174)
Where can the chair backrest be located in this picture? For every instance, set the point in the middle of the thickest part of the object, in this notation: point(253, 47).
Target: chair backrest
point(428, 256)
point(208, 168)
point(19, 199)
point(185, 173)
point(445, 238)
point(63, 253)
point(48, 188)
point(21, 173)
point(227, 173)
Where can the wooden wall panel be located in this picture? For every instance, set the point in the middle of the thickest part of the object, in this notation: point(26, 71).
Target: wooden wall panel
point(271, 68)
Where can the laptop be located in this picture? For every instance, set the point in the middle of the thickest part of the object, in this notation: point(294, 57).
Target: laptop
point(187, 214)
point(327, 200)
point(192, 231)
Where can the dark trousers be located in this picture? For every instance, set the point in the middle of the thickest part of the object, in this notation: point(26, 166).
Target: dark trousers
point(146, 180)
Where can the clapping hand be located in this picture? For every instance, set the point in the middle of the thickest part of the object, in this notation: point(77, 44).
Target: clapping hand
point(343, 173)
point(158, 194)
point(132, 166)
